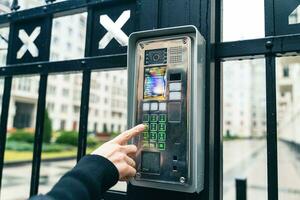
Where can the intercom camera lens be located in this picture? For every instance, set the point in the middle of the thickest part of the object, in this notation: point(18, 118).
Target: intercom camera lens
point(155, 57)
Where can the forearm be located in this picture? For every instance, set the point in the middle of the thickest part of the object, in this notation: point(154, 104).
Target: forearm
point(89, 179)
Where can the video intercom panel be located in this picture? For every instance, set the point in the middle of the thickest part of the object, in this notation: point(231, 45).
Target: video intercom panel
point(164, 95)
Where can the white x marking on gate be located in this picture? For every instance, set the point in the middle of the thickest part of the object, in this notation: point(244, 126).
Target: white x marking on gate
point(28, 43)
point(114, 29)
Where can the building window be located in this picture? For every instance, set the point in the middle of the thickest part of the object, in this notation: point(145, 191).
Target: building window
point(64, 108)
point(105, 128)
point(62, 124)
point(112, 128)
point(50, 107)
point(70, 31)
point(51, 89)
point(57, 24)
point(69, 46)
point(95, 127)
point(286, 72)
point(76, 109)
point(55, 40)
point(82, 21)
point(65, 92)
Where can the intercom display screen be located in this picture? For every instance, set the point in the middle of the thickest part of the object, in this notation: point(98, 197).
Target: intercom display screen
point(155, 83)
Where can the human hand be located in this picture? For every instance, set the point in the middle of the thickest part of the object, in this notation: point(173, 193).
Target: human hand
point(120, 154)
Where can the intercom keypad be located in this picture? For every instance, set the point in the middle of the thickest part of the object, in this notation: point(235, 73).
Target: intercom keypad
point(155, 135)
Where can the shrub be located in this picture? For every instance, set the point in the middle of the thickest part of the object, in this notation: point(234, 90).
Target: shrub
point(71, 138)
point(22, 136)
point(24, 146)
point(55, 147)
point(47, 128)
point(91, 141)
point(68, 137)
point(18, 146)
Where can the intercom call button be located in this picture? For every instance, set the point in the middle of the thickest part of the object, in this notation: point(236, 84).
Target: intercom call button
point(154, 106)
point(175, 86)
point(146, 106)
point(162, 106)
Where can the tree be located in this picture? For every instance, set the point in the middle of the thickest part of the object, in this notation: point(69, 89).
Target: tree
point(47, 128)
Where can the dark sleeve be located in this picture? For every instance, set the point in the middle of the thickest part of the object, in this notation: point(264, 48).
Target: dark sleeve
point(88, 180)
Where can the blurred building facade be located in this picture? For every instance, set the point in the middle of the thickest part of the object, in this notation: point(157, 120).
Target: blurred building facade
point(244, 110)
point(108, 93)
point(288, 98)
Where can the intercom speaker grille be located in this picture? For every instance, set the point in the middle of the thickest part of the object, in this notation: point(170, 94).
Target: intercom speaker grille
point(176, 54)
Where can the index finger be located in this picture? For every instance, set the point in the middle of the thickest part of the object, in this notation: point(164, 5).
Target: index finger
point(127, 135)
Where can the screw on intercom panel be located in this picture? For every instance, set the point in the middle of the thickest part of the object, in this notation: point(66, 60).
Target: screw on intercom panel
point(138, 175)
point(142, 46)
point(182, 179)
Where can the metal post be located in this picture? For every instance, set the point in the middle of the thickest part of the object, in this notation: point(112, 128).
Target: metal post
point(241, 189)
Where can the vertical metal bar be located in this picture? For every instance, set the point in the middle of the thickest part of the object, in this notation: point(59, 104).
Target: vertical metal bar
point(3, 122)
point(272, 162)
point(84, 112)
point(211, 31)
point(218, 158)
point(39, 131)
point(269, 18)
point(85, 90)
point(241, 189)
point(272, 159)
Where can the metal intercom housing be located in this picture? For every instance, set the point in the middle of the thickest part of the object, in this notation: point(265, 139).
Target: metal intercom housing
point(166, 85)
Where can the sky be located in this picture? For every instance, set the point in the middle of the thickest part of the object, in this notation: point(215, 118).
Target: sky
point(243, 19)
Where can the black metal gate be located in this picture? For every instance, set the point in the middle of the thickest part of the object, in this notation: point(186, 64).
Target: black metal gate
point(281, 38)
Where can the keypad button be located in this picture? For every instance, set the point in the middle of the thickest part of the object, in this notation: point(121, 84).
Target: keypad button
point(153, 136)
point(146, 106)
point(162, 127)
point(145, 118)
point(145, 135)
point(162, 106)
point(161, 146)
point(146, 126)
point(175, 86)
point(153, 127)
point(154, 106)
point(162, 118)
point(152, 144)
point(175, 95)
point(146, 144)
point(162, 136)
point(153, 118)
